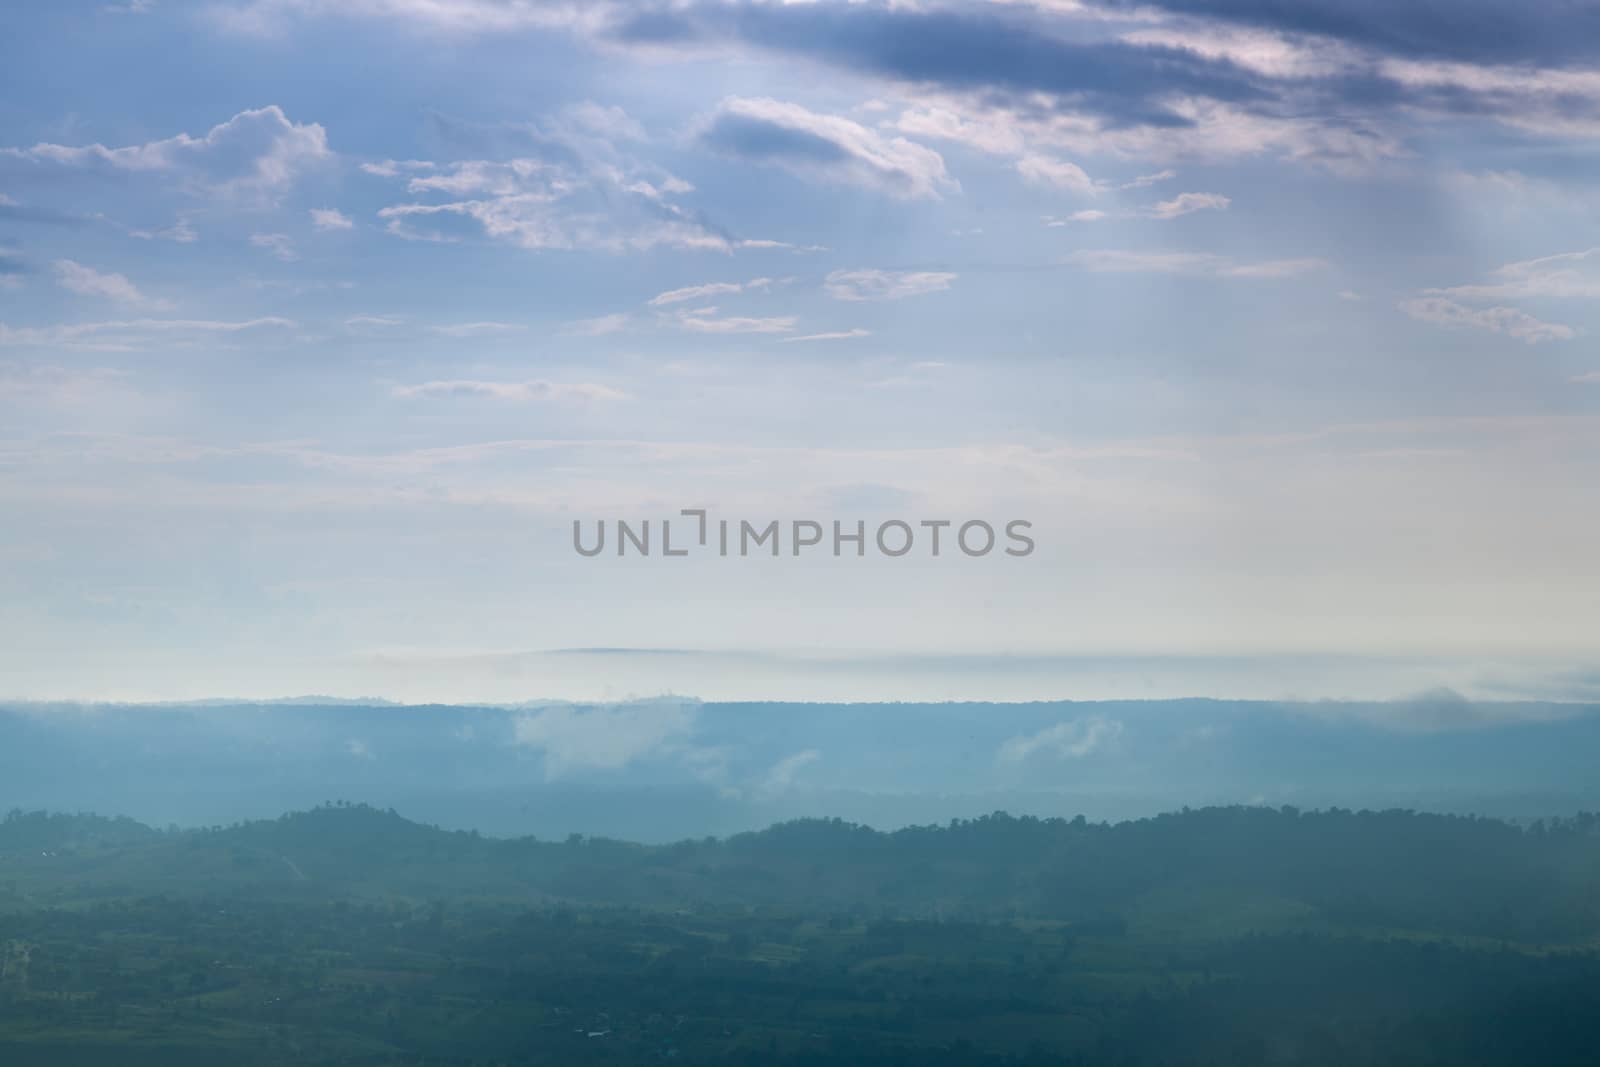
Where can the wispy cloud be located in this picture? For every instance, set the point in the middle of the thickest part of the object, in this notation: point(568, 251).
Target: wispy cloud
point(826, 148)
point(129, 334)
point(783, 773)
point(86, 281)
point(1187, 203)
point(709, 320)
point(709, 289)
point(280, 245)
point(872, 284)
point(477, 329)
point(1507, 320)
point(1073, 739)
point(327, 218)
point(834, 335)
point(1044, 170)
point(537, 389)
point(606, 738)
point(1569, 275)
point(1121, 261)
point(598, 326)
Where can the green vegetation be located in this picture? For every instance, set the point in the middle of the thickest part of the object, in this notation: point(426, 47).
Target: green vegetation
point(1229, 936)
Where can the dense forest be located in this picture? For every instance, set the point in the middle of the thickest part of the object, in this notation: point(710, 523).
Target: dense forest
point(350, 935)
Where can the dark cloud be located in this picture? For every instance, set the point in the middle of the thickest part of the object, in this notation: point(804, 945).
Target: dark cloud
point(1003, 51)
point(1539, 32)
point(760, 139)
point(1032, 62)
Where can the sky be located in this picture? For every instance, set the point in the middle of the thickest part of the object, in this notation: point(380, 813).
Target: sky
point(321, 323)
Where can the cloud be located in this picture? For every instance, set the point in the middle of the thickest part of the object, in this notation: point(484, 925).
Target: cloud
point(1479, 31)
point(764, 243)
point(34, 382)
point(871, 284)
point(826, 148)
point(1144, 181)
point(477, 329)
point(279, 244)
point(707, 320)
point(1043, 170)
point(1185, 203)
point(129, 334)
point(606, 738)
point(1569, 275)
point(782, 775)
point(578, 193)
point(834, 335)
point(1119, 261)
point(258, 153)
point(180, 232)
point(327, 218)
point(450, 16)
point(1073, 739)
point(86, 281)
point(537, 389)
point(1506, 320)
point(392, 168)
point(700, 292)
point(598, 326)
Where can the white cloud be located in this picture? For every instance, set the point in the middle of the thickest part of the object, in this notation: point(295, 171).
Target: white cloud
point(256, 153)
point(538, 205)
point(826, 148)
point(478, 329)
point(54, 383)
point(1043, 170)
point(279, 244)
point(327, 218)
point(1262, 51)
point(450, 16)
point(763, 243)
point(1570, 275)
point(537, 389)
point(1144, 181)
point(781, 777)
point(1120, 261)
point(129, 334)
point(606, 738)
point(1509, 321)
point(872, 284)
point(834, 335)
point(1073, 739)
point(1086, 215)
point(598, 326)
point(391, 168)
point(86, 281)
point(707, 320)
point(1185, 203)
point(699, 292)
point(180, 232)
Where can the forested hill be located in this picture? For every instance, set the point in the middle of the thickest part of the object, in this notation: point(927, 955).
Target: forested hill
point(1208, 871)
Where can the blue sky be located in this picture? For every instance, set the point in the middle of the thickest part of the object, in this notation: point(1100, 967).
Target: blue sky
point(321, 322)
